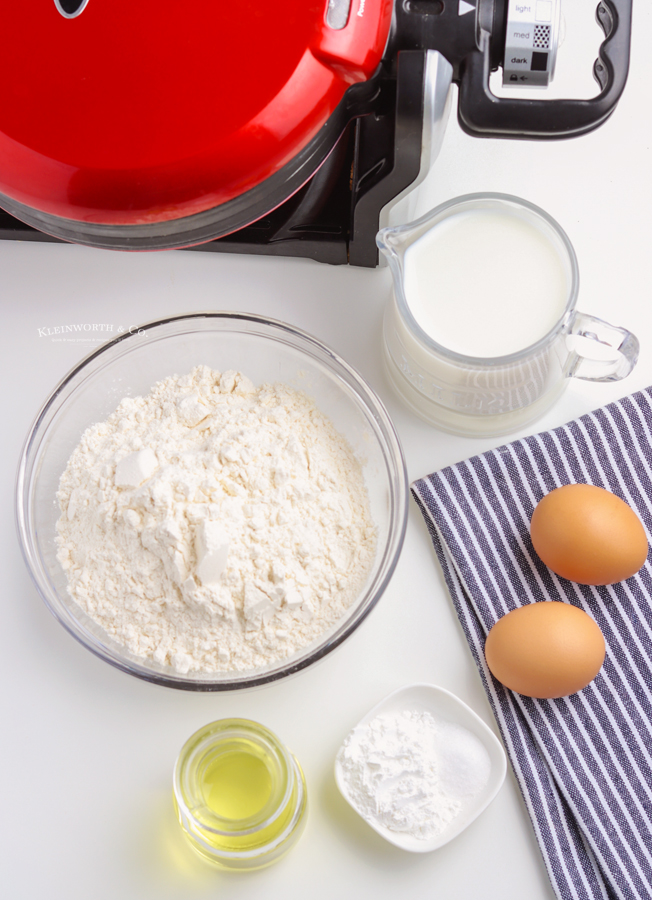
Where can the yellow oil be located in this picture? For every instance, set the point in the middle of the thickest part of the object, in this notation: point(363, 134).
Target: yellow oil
point(237, 785)
point(239, 795)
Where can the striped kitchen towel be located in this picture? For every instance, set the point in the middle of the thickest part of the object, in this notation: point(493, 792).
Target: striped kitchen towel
point(584, 762)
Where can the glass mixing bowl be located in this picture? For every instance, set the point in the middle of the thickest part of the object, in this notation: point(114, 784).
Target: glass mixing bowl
point(264, 350)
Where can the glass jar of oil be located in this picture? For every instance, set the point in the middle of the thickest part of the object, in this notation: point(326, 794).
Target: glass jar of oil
point(240, 795)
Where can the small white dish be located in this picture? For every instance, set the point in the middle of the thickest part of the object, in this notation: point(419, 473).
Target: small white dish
point(444, 705)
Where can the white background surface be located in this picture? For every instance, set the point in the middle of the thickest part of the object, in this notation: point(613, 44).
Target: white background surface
point(87, 752)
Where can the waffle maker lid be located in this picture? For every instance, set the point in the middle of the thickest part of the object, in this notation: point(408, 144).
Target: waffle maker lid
point(143, 112)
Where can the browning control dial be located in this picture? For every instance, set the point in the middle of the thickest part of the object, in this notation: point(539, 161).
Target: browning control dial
point(531, 42)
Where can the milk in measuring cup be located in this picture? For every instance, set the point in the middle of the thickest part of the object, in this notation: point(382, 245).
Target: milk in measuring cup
point(485, 283)
point(475, 331)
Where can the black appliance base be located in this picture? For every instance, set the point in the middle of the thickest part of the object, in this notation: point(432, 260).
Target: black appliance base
point(332, 250)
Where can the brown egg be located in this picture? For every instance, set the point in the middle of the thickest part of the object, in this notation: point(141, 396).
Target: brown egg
point(545, 650)
point(588, 535)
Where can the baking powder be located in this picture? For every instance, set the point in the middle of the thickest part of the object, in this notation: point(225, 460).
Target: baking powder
point(412, 772)
point(213, 526)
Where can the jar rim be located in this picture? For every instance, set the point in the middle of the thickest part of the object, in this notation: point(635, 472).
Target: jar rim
point(197, 753)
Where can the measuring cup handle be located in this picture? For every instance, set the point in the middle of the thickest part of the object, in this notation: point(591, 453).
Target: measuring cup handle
point(623, 341)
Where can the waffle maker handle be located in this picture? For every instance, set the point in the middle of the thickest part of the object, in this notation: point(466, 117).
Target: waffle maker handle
point(482, 114)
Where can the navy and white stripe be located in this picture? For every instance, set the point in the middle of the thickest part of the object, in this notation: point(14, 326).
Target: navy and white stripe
point(584, 762)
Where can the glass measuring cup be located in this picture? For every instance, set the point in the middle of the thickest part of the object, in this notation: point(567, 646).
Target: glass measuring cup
point(493, 395)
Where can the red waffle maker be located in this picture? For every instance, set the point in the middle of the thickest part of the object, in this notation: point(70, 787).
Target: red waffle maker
point(261, 127)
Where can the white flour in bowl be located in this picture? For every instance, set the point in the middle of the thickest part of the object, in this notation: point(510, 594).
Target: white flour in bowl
point(213, 526)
